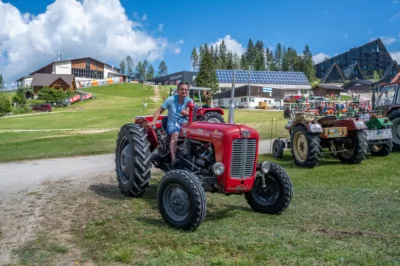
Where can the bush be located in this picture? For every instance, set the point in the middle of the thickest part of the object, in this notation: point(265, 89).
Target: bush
point(5, 105)
point(52, 95)
point(34, 102)
point(24, 109)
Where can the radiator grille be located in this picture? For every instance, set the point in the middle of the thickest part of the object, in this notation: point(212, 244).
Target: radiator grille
point(243, 157)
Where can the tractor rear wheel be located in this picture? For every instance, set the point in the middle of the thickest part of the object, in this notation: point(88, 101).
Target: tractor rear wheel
point(356, 148)
point(181, 200)
point(306, 149)
point(275, 197)
point(395, 118)
point(132, 160)
point(214, 117)
point(277, 148)
point(381, 150)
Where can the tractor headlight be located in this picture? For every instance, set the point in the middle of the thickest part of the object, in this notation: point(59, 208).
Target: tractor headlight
point(218, 168)
point(315, 128)
point(265, 167)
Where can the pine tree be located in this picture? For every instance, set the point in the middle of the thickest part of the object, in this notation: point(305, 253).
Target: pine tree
point(207, 76)
point(150, 72)
point(1, 80)
point(243, 62)
point(308, 63)
point(129, 66)
point(140, 71)
point(122, 67)
point(229, 61)
point(269, 57)
point(278, 57)
point(259, 63)
point(194, 58)
point(162, 69)
point(223, 56)
point(250, 54)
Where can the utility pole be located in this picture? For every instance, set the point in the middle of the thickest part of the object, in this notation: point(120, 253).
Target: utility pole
point(232, 106)
point(248, 91)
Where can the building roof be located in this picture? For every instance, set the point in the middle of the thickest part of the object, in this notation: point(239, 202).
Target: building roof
point(363, 45)
point(389, 69)
point(396, 78)
point(349, 71)
point(67, 60)
point(328, 87)
point(40, 79)
point(262, 77)
point(331, 70)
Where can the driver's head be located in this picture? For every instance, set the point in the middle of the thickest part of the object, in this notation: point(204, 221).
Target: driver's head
point(183, 89)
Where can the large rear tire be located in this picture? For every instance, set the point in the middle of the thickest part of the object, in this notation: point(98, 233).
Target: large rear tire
point(306, 149)
point(214, 117)
point(395, 118)
point(356, 146)
point(276, 196)
point(132, 160)
point(181, 200)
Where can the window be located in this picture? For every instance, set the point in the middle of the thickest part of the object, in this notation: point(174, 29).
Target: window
point(387, 95)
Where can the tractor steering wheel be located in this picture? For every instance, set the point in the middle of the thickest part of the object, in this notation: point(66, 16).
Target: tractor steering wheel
point(182, 117)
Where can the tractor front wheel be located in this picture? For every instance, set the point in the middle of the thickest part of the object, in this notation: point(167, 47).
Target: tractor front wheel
point(213, 117)
point(277, 148)
point(356, 146)
point(306, 149)
point(181, 200)
point(132, 160)
point(382, 150)
point(271, 192)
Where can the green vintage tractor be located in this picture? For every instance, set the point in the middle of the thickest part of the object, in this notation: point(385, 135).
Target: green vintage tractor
point(379, 130)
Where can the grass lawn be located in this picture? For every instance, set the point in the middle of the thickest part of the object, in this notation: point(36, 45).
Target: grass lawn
point(339, 215)
point(114, 106)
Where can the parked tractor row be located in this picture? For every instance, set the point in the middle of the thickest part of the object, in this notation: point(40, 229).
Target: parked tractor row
point(347, 136)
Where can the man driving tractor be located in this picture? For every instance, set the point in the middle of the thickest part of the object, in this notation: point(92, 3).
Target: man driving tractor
point(177, 107)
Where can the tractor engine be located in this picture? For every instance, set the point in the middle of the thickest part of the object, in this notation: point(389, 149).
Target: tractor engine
point(197, 157)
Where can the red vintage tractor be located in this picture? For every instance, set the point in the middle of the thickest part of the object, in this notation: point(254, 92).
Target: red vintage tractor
point(220, 158)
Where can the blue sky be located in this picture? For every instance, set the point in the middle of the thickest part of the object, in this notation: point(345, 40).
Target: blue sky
point(328, 27)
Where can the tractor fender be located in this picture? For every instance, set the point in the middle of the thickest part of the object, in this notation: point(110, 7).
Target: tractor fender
point(203, 111)
point(151, 134)
point(394, 112)
point(311, 126)
point(350, 124)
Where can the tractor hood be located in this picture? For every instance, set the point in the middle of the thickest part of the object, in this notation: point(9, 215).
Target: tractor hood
point(225, 132)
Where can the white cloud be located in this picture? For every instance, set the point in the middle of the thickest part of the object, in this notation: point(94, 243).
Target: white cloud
point(175, 48)
point(231, 45)
point(396, 56)
point(94, 28)
point(318, 58)
point(395, 17)
point(387, 40)
point(160, 27)
point(396, 1)
point(144, 18)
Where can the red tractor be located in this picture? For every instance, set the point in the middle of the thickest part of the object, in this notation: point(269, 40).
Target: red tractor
point(212, 157)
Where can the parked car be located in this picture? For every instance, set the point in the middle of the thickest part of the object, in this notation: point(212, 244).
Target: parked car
point(43, 107)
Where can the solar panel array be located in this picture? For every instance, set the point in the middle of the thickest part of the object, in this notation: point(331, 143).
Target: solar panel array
point(263, 77)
